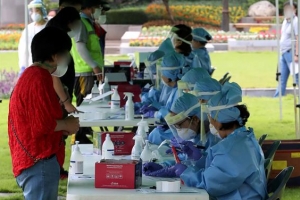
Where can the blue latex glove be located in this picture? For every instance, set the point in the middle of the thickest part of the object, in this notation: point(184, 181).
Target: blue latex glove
point(191, 151)
point(167, 172)
point(21, 70)
point(145, 109)
point(156, 105)
point(137, 107)
point(179, 169)
point(145, 90)
point(161, 113)
point(151, 167)
point(149, 114)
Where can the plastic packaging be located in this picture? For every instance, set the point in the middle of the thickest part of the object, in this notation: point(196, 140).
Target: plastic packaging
point(105, 87)
point(76, 161)
point(144, 124)
point(129, 106)
point(95, 90)
point(108, 148)
point(115, 100)
point(146, 154)
point(137, 148)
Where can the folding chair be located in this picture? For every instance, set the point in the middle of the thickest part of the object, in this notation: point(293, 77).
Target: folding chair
point(276, 187)
point(262, 139)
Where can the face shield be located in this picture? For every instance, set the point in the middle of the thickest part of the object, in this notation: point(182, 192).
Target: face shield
point(36, 14)
point(174, 122)
point(184, 87)
point(153, 70)
point(173, 37)
point(203, 95)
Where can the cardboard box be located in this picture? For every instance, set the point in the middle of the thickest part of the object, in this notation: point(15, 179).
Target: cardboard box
point(118, 174)
point(122, 140)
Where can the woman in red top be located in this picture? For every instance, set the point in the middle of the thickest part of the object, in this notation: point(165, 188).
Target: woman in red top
point(35, 124)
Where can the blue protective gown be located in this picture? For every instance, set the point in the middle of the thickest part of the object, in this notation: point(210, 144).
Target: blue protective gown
point(203, 56)
point(234, 169)
point(158, 135)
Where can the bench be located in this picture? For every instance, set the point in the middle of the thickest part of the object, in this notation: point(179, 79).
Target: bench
point(271, 18)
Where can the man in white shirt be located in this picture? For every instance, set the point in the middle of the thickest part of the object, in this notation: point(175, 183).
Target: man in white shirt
point(286, 58)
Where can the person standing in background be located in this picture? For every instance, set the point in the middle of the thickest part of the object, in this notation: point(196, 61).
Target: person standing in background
point(286, 58)
point(88, 59)
point(52, 13)
point(38, 14)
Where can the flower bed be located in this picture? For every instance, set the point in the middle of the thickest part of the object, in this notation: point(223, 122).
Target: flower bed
point(153, 36)
point(8, 80)
point(202, 14)
point(9, 39)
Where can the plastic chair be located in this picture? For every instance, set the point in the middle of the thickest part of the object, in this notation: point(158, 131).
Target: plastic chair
point(262, 139)
point(212, 71)
point(270, 153)
point(222, 80)
point(268, 165)
point(227, 80)
point(276, 187)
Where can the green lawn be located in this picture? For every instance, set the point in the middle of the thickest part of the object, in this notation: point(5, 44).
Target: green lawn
point(264, 119)
point(250, 70)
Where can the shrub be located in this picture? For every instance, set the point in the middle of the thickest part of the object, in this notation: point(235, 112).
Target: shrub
point(9, 40)
point(13, 27)
point(202, 14)
point(7, 82)
point(168, 22)
point(127, 16)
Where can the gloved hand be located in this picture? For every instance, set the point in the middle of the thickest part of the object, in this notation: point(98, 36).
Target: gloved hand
point(161, 113)
point(145, 90)
point(144, 109)
point(151, 167)
point(149, 114)
point(191, 151)
point(156, 105)
point(137, 107)
point(179, 169)
point(167, 172)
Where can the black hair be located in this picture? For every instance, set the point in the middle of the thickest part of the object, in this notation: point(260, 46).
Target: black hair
point(49, 42)
point(244, 114)
point(288, 4)
point(185, 32)
point(70, 2)
point(90, 3)
point(63, 18)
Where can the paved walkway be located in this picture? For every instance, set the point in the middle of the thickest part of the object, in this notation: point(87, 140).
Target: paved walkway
point(12, 194)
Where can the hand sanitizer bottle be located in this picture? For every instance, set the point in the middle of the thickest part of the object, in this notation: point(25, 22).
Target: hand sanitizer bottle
point(76, 161)
point(137, 148)
point(108, 148)
point(146, 154)
point(115, 100)
point(95, 90)
point(129, 106)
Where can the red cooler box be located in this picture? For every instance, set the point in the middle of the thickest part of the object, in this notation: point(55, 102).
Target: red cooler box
point(288, 154)
point(118, 174)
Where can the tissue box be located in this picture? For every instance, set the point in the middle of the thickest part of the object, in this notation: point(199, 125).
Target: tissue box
point(118, 174)
point(123, 142)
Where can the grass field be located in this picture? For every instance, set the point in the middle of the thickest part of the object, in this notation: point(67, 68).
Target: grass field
point(250, 70)
point(264, 119)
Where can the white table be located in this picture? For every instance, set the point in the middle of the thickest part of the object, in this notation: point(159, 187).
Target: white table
point(81, 189)
point(104, 107)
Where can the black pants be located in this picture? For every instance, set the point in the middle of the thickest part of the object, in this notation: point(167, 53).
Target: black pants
point(83, 86)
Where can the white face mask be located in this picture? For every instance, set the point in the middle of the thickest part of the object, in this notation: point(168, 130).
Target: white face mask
point(97, 13)
point(61, 69)
point(49, 17)
point(186, 133)
point(214, 131)
point(102, 19)
point(36, 17)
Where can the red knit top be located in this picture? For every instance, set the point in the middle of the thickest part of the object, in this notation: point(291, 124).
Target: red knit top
point(33, 110)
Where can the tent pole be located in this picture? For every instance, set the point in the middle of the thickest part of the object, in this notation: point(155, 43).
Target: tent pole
point(26, 33)
point(298, 105)
point(278, 58)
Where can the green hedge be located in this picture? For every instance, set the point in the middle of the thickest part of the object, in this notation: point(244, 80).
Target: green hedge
point(127, 16)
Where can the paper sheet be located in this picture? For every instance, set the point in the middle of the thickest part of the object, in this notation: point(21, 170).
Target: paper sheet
point(296, 69)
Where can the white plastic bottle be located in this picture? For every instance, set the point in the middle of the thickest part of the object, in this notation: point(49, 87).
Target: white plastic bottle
point(95, 90)
point(137, 148)
point(76, 161)
point(146, 154)
point(115, 100)
point(141, 131)
point(129, 106)
point(108, 148)
point(106, 88)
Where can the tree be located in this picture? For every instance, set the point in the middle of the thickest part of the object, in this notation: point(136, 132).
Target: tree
point(167, 6)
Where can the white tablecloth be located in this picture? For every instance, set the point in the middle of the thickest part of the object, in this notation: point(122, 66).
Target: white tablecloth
point(83, 188)
point(116, 117)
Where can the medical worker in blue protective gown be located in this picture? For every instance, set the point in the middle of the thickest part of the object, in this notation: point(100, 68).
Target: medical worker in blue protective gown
point(199, 53)
point(171, 68)
point(193, 75)
point(184, 121)
point(235, 166)
point(206, 88)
